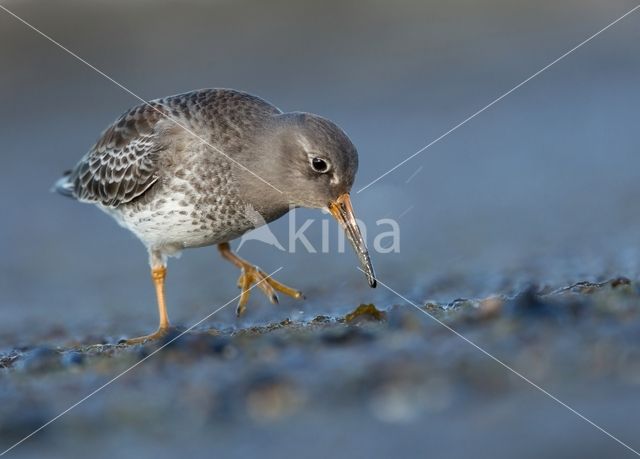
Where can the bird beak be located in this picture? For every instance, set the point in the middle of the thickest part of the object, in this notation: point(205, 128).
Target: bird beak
point(343, 212)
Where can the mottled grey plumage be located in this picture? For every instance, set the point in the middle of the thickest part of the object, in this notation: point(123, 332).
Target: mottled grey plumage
point(196, 169)
point(124, 163)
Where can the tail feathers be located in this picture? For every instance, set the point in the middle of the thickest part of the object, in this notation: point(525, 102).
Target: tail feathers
point(64, 186)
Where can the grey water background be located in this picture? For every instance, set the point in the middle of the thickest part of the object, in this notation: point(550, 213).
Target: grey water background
point(541, 188)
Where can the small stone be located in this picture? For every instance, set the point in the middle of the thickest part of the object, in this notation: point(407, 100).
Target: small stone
point(321, 319)
point(490, 308)
point(529, 303)
point(620, 281)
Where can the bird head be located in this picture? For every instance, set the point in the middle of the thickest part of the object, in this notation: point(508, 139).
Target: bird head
point(314, 163)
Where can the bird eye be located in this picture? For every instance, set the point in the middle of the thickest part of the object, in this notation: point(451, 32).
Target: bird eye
point(319, 165)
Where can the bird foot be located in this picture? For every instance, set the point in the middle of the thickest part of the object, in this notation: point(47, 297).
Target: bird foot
point(159, 333)
point(252, 275)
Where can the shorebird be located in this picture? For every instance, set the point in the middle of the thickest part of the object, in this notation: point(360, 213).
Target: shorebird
point(194, 169)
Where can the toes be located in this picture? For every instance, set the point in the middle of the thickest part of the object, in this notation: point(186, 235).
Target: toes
point(269, 292)
point(263, 284)
point(244, 283)
point(243, 278)
point(285, 289)
point(252, 275)
point(242, 303)
point(160, 333)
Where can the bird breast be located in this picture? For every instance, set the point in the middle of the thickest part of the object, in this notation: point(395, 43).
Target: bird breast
point(195, 203)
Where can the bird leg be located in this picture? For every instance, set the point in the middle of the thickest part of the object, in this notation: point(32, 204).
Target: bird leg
point(158, 274)
point(251, 275)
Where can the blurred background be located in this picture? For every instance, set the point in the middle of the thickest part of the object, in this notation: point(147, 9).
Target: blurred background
point(539, 189)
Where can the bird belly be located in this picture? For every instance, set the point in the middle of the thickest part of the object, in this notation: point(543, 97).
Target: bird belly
point(177, 222)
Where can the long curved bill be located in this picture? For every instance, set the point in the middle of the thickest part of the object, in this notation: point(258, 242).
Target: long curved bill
point(343, 212)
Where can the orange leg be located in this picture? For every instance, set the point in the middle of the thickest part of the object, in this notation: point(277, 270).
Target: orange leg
point(251, 275)
point(158, 275)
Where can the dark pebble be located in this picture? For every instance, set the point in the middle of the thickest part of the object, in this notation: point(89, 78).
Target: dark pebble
point(73, 358)
point(345, 334)
point(620, 281)
point(204, 343)
point(41, 359)
point(322, 320)
point(530, 304)
point(222, 346)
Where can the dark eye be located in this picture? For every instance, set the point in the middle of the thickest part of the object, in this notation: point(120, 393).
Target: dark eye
point(319, 165)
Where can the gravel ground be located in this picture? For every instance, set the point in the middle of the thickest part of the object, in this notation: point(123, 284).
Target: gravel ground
point(370, 383)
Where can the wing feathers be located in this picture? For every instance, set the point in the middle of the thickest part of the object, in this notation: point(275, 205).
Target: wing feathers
point(123, 164)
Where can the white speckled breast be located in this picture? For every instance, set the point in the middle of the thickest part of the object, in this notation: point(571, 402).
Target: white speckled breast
point(194, 204)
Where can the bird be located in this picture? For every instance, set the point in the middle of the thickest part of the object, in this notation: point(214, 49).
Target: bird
point(203, 167)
